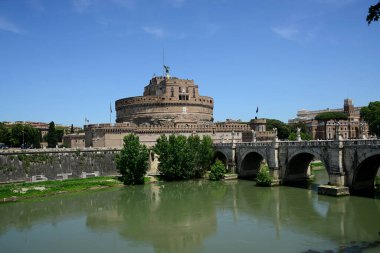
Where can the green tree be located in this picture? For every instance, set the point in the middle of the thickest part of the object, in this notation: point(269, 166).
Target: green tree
point(59, 132)
point(72, 129)
point(283, 130)
point(17, 135)
point(217, 171)
point(51, 136)
point(132, 162)
point(4, 134)
point(373, 13)
point(304, 136)
point(31, 136)
point(293, 131)
point(183, 158)
point(371, 114)
point(327, 116)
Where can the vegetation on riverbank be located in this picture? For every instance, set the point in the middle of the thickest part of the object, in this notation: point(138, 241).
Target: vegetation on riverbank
point(12, 192)
point(263, 177)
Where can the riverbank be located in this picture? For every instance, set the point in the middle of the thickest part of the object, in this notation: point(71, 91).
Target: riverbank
point(19, 191)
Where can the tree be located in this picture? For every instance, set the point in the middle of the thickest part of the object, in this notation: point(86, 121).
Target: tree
point(72, 129)
point(293, 131)
point(51, 136)
point(371, 114)
point(217, 171)
point(4, 134)
point(183, 158)
point(132, 162)
point(282, 128)
point(327, 116)
point(59, 132)
point(373, 13)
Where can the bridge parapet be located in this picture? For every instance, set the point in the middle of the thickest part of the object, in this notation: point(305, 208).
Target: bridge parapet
point(306, 143)
point(361, 142)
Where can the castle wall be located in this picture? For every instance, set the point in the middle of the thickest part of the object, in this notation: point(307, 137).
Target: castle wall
point(53, 164)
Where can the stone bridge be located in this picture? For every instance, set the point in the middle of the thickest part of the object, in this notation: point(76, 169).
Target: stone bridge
point(349, 163)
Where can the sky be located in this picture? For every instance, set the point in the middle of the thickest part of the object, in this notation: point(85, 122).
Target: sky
point(67, 60)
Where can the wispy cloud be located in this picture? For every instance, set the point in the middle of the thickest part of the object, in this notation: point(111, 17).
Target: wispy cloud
point(295, 33)
point(288, 33)
point(176, 3)
point(36, 5)
point(8, 26)
point(84, 5)
point(156, 31)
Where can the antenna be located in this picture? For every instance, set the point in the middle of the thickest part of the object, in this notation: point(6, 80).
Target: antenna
point(163, 61)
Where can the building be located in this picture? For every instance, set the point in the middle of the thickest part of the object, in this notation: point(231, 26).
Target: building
point(169, 105)
point(352, 128)
point(166, 101)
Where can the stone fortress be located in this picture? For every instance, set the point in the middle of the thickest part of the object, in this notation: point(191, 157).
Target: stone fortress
point(166, 101)
point(169, 105)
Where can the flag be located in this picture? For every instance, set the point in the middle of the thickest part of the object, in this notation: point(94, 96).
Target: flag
point(257, 109)
point(86, 120)
point(110, 108)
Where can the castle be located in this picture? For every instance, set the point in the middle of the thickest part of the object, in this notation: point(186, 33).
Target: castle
point(169, 105)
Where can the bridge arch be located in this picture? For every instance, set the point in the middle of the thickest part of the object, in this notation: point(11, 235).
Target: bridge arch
point(363, 182)
point(298, 166)
point(250, 164)
point(222, 157)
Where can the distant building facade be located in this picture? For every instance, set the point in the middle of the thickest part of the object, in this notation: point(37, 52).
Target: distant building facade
point(352, 128)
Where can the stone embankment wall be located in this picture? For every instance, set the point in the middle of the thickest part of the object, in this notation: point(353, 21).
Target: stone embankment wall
point(55, 164)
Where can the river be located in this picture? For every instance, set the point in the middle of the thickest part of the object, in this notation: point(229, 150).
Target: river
point(192, 216)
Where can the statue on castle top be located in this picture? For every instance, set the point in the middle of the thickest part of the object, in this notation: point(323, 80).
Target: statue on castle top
point(167, 69)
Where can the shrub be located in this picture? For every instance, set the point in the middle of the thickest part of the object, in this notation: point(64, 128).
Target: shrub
point(217, 171)
point(263, 177)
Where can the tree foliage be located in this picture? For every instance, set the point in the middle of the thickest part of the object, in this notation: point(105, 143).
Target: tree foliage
point(217, 171)
point(283, 130)
point(373, 13)
point(326, 116)
point(183, 158)
point(132, 162)
point(19, 134)
point(371, 114)
point(51, 137)
point(293, 131)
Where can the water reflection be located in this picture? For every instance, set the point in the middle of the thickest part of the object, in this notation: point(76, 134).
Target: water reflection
point(187, 216)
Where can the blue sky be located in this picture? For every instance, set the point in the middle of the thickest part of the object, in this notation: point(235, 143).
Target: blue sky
point(67, 60)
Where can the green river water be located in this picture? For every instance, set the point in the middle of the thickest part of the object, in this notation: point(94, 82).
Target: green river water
point(192, 216)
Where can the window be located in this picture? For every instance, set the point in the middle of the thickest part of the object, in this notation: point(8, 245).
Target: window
point(172, 92)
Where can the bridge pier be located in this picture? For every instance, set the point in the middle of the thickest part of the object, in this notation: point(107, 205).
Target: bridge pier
point(336, 186)
point(275, 174)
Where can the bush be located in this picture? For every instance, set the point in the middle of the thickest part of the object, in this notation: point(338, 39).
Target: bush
point(217, 171)
point(263, 177)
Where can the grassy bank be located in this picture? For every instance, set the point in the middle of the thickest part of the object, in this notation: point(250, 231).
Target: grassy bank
point(12, 192)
